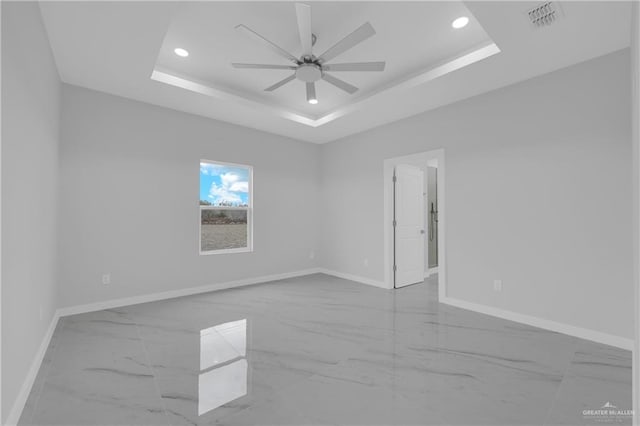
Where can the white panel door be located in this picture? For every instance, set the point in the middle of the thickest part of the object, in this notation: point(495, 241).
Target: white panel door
point(409, 231)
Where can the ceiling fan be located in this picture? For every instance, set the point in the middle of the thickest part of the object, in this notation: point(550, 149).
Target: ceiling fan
point(308, 67)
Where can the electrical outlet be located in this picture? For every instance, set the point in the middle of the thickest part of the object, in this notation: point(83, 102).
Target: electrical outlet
point(497, 285)
point(366, 262)
point(312, 255)
point(106, 279)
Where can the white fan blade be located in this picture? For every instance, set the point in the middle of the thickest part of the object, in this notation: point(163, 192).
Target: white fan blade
point(361, 34)
point(303, 12)
point(355, 66)
point(280, 83)
point(274, 47)
point(311, 93)
point(264, 66)
point(341, 84)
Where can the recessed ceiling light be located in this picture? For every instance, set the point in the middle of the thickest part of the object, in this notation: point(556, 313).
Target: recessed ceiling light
point(181, 52)
point(460, 22)
point(313, 101)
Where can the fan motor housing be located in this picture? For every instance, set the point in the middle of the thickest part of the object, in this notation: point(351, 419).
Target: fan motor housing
point(309, 73)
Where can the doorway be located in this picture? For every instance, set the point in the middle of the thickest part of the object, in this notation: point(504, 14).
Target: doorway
point(432, 217)
point(432, 251)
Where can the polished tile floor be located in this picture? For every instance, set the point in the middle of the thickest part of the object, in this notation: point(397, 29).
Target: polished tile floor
point(325, 351)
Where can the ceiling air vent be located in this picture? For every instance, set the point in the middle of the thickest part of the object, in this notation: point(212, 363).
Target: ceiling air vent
point(544, 14)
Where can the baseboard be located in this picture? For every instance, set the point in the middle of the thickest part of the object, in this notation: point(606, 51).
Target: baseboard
point(25, 390)
point(355, 278)
point(21, 400)
point(134, 300)
point(571, 330)
point(431, 271)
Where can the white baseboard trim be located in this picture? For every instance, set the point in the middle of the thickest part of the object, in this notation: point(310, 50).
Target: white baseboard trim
point(571, 330)
point(356, 278)
point(431, 271)
point(25, 390)
point(134, 300)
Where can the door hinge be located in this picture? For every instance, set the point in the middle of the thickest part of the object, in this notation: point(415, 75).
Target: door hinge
point(394, 178)
point(395, 268)
point(394, 223)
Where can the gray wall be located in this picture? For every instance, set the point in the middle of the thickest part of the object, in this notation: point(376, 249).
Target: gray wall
point(635, 114)
point(130, 192)
point(538, 177)
point(30, 113)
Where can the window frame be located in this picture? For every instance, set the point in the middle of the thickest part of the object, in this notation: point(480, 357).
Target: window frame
point(248, 209)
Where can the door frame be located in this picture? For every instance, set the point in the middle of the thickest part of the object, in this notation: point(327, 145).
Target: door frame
point(421, 159)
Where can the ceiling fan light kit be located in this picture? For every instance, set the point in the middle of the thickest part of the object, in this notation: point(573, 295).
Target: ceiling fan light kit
point(311, 94)
point(309, 73)
point(309, 68)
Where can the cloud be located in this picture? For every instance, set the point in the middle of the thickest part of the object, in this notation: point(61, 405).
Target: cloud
point(220, 194)
point(228, 190)
point(211, 169)
point(228, 179)
point(239, 187)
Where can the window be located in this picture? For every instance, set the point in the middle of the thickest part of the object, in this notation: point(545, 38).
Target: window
point(225, 208)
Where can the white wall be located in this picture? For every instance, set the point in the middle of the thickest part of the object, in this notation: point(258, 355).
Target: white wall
point(30, 118)
point(635, 114)
point(130, 193)
point(537, 181)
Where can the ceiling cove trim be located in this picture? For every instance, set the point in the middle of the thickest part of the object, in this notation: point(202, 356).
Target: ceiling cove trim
point(477, 54)
point(172, 79)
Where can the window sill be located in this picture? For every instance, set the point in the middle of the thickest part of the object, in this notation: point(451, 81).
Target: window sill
point(227, 251)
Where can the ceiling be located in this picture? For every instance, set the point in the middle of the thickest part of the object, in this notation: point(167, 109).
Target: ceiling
point(410, 39)
point(126, 49)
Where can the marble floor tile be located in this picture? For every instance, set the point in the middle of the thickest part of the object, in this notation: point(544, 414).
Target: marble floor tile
point(342, 401)
point(599, 377)
point(29, 408)
point(319, 350)
point(99, 375)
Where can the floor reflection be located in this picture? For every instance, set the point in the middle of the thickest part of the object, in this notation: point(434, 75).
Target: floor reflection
point(223, 365)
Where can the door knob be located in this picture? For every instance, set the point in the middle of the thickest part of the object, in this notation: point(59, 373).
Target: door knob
point(422, 231)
